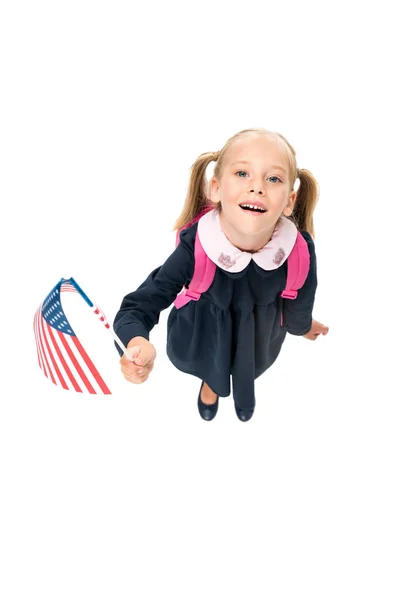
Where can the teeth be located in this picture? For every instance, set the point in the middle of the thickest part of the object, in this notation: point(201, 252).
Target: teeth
point(253, 207)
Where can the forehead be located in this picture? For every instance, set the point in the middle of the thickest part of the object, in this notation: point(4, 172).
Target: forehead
point(256, 148)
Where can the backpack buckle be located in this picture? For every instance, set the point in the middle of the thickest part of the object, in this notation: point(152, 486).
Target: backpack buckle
point(192, 294)
point(291, 294)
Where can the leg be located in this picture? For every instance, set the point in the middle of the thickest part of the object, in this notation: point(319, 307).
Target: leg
point(207, 395)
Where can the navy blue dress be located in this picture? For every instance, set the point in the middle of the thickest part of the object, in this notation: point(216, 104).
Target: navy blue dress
point(234, 328)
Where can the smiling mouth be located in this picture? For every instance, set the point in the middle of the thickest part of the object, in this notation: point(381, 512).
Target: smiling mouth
point(256, 210)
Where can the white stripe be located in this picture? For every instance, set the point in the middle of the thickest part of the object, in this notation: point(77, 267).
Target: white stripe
point(49, 363)
point(84, 367)
point(71, 305)
point(35, 327)
point(70, 364)
point(63, 352)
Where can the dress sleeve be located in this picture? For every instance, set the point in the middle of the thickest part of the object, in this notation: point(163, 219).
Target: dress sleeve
point(297, 314)
point(140, 310)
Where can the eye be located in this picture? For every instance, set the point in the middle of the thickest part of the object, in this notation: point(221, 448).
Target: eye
point(272, 176)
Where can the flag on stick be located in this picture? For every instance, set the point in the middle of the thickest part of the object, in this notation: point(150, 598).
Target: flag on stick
point(61, 355)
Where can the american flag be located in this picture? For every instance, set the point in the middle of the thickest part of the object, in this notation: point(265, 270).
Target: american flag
point(61, 356)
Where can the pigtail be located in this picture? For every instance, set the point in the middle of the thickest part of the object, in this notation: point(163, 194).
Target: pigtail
point(306, 201)
point(196, 197)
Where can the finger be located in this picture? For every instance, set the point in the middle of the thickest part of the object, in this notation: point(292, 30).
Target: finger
point(144, 361)
point(129, 368)
point(144, 371)
point(124, 361)
point(132, 371)
point(139, 379)
point(140, 358)
point(134, 352)
point(135, 378)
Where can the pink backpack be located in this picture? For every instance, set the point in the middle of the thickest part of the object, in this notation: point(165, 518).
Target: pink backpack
point(204, 268)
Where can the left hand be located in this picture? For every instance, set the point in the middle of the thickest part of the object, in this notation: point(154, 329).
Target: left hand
point(316, 329)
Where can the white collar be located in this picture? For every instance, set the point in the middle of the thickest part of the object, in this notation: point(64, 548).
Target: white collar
point(229, 258)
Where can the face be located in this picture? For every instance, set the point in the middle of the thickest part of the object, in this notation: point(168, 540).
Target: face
point(255, 170)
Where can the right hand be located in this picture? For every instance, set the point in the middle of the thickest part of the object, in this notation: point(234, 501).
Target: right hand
point(143, 355)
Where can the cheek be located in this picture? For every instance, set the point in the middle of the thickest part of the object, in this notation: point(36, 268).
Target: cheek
point(231, 189)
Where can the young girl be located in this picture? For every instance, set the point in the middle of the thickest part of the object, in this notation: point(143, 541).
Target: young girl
point(237, 327)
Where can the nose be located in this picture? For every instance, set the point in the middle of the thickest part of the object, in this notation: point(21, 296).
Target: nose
point(257, 185)
point(259, 188)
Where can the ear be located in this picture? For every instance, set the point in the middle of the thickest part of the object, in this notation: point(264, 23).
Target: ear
point(214, 190)
point(287, 211)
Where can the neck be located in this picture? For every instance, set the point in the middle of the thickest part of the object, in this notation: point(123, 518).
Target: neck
point(249, 244)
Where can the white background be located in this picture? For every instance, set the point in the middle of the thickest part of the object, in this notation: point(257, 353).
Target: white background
point(104, 108)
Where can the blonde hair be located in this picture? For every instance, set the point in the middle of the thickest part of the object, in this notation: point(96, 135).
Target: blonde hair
point(197, 194)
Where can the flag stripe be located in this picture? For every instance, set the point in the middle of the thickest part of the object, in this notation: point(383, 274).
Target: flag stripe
point(76, 372)
point(67, 355)
point(51, 355)
point(65, 368)
point(39, 350)
point(62, 359)
point(42, 364)
point(44, 352)
point(77, 366)
point(91, 366)
point(68, 287)
point(85, 367)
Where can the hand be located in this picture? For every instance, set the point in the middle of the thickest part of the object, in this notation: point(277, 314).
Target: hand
point(143, 354)
point(316, 329)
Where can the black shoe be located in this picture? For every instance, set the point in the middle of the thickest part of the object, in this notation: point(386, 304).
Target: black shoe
point(244, 414)
point(207, 411)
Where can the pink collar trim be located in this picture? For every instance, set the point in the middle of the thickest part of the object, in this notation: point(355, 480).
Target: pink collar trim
point(226, 256)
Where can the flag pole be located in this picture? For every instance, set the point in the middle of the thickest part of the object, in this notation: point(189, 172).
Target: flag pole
point(120, 344)
point(100, 314)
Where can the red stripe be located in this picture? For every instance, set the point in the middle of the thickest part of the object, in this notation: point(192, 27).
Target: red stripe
point(37, 342)
point(63, 361)
point(91, 366)
point(76, 364)
point(43, 340)
point(57, 370)
point(67, 287)
point(38, 346)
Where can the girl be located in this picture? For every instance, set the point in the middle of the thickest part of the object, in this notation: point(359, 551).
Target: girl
point(237, 327)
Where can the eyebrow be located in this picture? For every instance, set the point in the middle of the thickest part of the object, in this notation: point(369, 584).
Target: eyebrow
point(246, 162)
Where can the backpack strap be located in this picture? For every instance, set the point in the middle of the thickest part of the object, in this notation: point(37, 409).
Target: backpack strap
point(204, 269)
point(297, 268)
point(203, 276)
